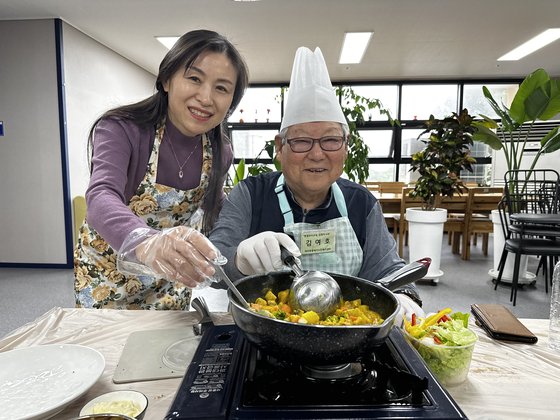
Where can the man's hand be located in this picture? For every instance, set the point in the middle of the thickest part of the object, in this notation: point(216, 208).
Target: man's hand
point(261, 253)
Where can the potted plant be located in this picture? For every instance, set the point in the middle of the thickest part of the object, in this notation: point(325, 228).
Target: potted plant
point(439, 164)
point(537, 99)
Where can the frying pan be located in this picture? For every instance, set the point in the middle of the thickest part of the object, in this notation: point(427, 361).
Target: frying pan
point(320, 344)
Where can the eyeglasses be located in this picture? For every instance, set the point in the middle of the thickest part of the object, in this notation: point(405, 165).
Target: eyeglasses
point(305, 144)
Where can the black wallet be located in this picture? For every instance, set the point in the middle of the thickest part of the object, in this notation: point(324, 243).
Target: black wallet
point(500, 323)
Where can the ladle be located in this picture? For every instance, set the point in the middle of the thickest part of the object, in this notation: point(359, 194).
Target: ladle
point(312, 290)
point(217, 264)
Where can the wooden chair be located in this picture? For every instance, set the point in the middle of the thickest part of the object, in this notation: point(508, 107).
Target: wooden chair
point(371, 185)
point(390, 218)
point(481, 202)
point(400, 218)
point(79, 210)
point(390, 187)
point(454, 226)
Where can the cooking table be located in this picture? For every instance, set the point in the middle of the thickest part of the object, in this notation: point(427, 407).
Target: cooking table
point(506, 380)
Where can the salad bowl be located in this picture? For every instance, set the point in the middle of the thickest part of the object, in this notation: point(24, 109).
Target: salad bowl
point(445, 343)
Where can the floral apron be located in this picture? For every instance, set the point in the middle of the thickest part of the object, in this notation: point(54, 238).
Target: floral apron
point(329, 246)
point(98, 284)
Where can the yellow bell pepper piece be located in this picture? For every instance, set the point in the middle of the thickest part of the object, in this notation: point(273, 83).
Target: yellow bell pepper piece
point(283, 296)
point(420, 328)
point(270, 296)
point(311, 317)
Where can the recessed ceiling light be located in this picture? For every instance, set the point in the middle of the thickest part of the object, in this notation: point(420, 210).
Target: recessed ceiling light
point(354, 47)
point(545, 38)
point(168, 41)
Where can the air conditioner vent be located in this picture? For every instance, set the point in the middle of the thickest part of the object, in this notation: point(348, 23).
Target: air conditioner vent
point(538, 131)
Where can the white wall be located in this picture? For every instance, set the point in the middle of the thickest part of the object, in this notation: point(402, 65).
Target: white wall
point(31, 199)
point(32, 220)
point(96, 79)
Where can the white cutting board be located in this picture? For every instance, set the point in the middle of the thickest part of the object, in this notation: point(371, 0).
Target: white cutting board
point(142, 358)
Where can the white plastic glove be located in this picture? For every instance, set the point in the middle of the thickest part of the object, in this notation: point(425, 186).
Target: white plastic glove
point(261, 253)
point(408, 307)
point(180, 254)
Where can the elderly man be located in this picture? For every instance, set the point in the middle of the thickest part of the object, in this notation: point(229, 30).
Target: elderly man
point(330, 223)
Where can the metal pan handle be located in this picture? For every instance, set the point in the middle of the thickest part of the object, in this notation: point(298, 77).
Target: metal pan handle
point(407, 274)
point(199, 304)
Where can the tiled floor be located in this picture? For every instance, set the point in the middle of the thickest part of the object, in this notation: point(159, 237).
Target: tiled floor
point(27, 293)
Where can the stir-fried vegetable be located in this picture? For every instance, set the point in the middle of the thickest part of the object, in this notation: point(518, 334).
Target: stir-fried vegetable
point(350, 312)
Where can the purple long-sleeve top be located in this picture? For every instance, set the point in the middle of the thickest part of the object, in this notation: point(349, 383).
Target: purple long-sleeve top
point(120, 158)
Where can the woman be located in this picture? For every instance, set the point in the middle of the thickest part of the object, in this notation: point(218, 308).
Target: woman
point(157, 171)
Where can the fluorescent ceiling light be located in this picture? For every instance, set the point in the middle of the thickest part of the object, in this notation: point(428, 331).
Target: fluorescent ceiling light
point(354, 47)
point(545, 38)
point(168, 41)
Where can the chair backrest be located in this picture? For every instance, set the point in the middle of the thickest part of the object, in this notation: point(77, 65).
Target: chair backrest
point(532, 191)
point(455, 204)
point(484, 199)
point(390, 187)
point(371, 185)
point(407, 201)
point(79, 210)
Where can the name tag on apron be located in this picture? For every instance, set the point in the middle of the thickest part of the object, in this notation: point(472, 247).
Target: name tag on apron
point(317, 241)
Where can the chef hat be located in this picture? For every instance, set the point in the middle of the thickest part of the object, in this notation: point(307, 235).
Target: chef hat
point(311, 96)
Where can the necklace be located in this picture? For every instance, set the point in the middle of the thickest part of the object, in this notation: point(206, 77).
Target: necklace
point(177, 160)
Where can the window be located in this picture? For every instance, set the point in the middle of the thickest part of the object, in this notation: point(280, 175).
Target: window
point(259, 105)
point(257, 120)
point(386, 94)
point(419, 101)
point(410, 143)
point(476, 103)
point(379, 143)
point(247, 144)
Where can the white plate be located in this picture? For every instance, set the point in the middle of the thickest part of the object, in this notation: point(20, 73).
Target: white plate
point(38, 382)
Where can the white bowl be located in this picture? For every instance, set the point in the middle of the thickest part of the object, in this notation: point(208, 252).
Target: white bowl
point(134, 397)
point(103, 417)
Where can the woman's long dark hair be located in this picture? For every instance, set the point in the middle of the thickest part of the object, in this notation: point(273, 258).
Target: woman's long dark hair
point(151, 111)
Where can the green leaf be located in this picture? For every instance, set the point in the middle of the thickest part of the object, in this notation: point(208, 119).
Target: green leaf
point(535, 104)
point(551, 142)
point(487, 136)
point(533, 83)
point(239, 172)
point(487, 122)
point(501, 112)
point(553, 90)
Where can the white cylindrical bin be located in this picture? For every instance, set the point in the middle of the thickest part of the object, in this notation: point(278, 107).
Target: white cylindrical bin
point(425, 237)
point(499, 242)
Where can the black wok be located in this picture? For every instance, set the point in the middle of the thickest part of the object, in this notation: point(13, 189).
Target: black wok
point(318, 344)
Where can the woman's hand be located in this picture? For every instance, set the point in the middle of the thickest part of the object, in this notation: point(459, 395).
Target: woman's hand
point(180, 254)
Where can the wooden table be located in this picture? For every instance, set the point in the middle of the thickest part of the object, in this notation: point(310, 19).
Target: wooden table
point(506, 380)
point(390, 202)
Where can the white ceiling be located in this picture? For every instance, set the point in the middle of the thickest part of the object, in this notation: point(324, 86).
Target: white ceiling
point(414, 39)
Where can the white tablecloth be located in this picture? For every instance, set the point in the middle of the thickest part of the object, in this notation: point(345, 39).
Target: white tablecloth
point(506, 380)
